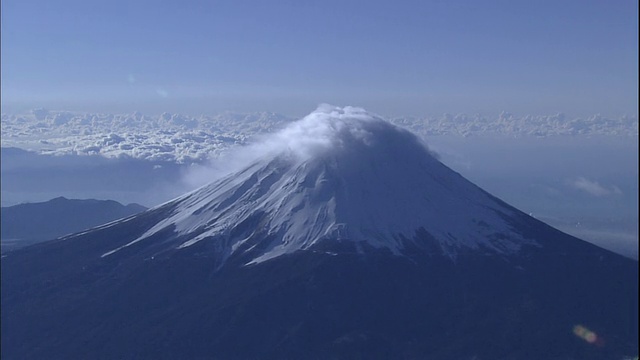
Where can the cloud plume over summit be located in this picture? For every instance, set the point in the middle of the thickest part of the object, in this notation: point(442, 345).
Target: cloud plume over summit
point(327, 130)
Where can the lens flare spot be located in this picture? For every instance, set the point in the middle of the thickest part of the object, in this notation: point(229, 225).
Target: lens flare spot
point(587, 335)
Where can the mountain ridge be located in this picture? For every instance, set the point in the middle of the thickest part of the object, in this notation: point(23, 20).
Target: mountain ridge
point(34, 222)
point(213, 275)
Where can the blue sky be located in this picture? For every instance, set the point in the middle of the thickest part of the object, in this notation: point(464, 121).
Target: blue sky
point(392, 57)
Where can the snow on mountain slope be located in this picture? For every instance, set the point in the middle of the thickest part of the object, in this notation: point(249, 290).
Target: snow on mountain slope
point(338, 174)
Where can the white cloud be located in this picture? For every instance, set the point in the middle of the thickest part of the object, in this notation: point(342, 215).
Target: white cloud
point(162, 92)
point(314, 133)
point(594, 188)
point(187, 139)
point(327, 130)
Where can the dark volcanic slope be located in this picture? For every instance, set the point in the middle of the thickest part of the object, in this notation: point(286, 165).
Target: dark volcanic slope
point(182, 281)
point(310, 305)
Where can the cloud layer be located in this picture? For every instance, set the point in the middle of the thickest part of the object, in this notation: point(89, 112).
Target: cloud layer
point(594, 188)
point(187, 139)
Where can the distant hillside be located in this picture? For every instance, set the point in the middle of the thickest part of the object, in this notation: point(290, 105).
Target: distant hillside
point(25, 224)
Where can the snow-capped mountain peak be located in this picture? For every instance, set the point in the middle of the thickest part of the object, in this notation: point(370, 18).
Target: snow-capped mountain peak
point(340, 237)
point(339, 174)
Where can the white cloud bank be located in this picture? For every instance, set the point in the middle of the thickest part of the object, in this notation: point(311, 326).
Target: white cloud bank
point(187, 139)
point(594, 188)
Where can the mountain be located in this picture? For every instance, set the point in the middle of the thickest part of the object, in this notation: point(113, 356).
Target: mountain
point(25, 224)
point(340, 237)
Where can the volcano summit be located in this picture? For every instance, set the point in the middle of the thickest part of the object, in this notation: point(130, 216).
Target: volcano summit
point(341, 236)
point(339, 175)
